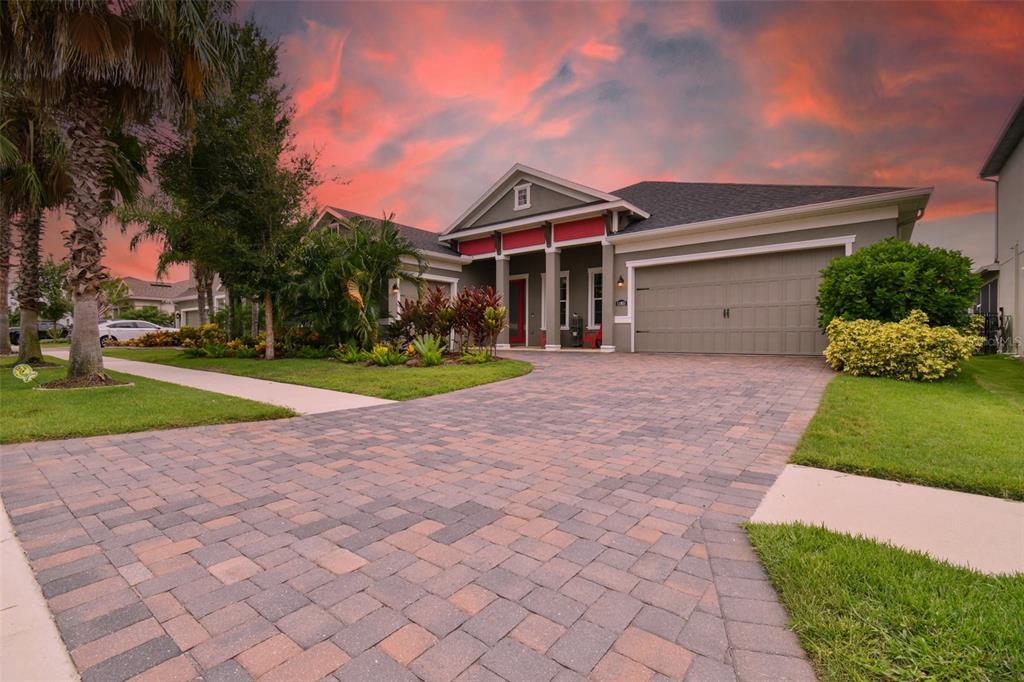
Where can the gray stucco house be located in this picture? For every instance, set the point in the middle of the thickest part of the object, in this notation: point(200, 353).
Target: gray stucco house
point(1005, 167)
point(660, 266)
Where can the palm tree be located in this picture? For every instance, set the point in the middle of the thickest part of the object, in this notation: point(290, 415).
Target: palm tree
point(34, 180)
point(103, 66)
point(8, 157)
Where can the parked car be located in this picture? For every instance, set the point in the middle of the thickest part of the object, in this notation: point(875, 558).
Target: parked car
point(122, 330)
point(44, 332)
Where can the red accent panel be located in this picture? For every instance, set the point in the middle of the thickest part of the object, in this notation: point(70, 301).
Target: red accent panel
point(516, 240)
point(475, 247)
point(578, 229)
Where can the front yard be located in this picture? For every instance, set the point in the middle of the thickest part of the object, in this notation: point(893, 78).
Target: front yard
point(867, 611)
point(963, 433)
point(392, 383)
point(29, 414)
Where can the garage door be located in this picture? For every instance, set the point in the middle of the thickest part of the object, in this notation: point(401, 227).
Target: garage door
point(762, 304)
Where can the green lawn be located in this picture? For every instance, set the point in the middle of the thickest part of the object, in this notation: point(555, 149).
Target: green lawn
point(28, 414)
point(869, 611)
point(393, 383)
point(963, 433)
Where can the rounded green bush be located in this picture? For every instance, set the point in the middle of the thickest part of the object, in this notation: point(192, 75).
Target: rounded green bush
point(887, 280)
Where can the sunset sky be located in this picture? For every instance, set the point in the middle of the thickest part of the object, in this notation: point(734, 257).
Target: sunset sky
point(417, 108)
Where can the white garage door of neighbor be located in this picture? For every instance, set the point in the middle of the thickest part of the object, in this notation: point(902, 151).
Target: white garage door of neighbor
point(763, 304)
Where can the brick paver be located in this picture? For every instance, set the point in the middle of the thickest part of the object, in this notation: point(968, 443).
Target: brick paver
point(580, 521)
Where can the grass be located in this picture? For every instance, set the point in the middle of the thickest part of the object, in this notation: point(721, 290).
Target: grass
point(963, 433)
point(29, 414)
point(392, 383)
point(869, 611)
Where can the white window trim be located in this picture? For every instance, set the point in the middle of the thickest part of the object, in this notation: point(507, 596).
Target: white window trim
point(543, 305)
point(516, 206)
point(590, 296)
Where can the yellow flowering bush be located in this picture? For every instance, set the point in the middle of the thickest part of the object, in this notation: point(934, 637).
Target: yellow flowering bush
point(908, 350)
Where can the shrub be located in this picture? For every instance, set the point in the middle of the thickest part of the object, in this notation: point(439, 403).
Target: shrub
point(311, 352)
point(908, 350)
point(886, 280)
point(246, 352)
point(216, 350)
point(469, 308)
point(155, 340)
point(494, 322)
point(202, 335)
point(149, 313)
point(192, 352)
point(430, 350)
point(350, 352)
point(385, 355)
point(476, 357)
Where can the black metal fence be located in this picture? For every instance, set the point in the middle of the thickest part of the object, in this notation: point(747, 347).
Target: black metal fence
point(998, 332)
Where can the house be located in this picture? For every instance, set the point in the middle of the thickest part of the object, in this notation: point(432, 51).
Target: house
point(1005, 167)
point(660, 266)
point(177, 298)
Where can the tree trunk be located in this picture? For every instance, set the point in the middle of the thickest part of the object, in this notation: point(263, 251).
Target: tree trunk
point(28, 288)
point(210, 303)
point(88, 156)
point(254, 316)
point(5, 281)
point(200, 276)
point(268, 314)
point(232, 316)
point(88, 362)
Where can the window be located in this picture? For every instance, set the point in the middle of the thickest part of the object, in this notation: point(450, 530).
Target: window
point(563, 300)
point(521, 195)
point(596, 288)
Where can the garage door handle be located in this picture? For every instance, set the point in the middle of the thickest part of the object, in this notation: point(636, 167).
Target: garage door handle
point(641, 331)
point(725, 312)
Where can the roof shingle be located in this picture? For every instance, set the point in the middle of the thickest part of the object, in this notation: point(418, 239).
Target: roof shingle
point(423, 240)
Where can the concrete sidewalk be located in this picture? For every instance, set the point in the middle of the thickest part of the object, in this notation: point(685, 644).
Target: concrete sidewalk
point(302, 399)
point(982, 533)
point(30, 648)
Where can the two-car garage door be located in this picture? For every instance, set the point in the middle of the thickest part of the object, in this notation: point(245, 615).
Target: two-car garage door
point(762, 304)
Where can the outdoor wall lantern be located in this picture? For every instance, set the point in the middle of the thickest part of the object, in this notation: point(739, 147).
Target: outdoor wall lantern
point(621, 282)
point(394, 289)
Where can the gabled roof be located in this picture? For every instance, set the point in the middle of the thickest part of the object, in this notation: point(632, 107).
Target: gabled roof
point(680, 203)
point(579, 190)
point(423, 240)
point(1013, 133)
point(140, 288)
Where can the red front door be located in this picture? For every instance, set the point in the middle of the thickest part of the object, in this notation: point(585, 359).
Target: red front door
point(517, 311)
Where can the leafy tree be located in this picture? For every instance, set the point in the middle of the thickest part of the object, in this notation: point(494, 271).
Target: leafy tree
point(56, 297)
point(887, 280)
point(342, 277)
point(113, 296)
point(103, 66)
point(240, 183)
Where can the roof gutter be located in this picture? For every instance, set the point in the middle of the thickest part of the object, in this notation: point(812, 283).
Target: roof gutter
point(775, 215)
point(546, 217)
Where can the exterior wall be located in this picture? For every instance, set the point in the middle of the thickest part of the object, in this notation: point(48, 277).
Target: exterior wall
point(162, 305)
point(475, 247)
point(477, 274)
point(866, 234)
point(1010, 240)
point(542, 200)
point(433, 277)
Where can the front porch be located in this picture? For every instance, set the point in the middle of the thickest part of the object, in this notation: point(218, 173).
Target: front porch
point(551, 288)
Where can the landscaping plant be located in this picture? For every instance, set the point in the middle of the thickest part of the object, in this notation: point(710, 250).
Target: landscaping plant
point(351, 353)
point(889, 279)
point(386, 355)
point(494, 323)
point(429, 349)
point(908, 350)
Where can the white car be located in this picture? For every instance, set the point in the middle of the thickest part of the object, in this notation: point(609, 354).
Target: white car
point(122, 330)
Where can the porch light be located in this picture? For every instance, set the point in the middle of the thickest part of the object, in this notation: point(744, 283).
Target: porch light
point(394, 289)
point(620, 282)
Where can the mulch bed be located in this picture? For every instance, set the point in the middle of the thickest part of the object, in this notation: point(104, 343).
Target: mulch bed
point(83, 382)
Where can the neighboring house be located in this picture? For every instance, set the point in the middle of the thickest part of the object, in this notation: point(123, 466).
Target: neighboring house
point(178, 298)
point(1005, 167)
point(662, 266)
point(444, 264)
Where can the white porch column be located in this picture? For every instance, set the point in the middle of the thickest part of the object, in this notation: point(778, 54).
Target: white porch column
point(552, 318)
point(608, 294)
point(501, 289)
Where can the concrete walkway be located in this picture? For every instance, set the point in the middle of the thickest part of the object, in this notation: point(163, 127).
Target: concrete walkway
point(30, 648)
point(982, 533)
point(302, 399)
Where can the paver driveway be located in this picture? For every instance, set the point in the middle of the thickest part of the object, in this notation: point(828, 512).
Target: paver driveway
point(578, 521)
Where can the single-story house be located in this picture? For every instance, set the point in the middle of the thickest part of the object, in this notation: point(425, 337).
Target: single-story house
point(177, 298)
point(659, 266)
point(1005, 167)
